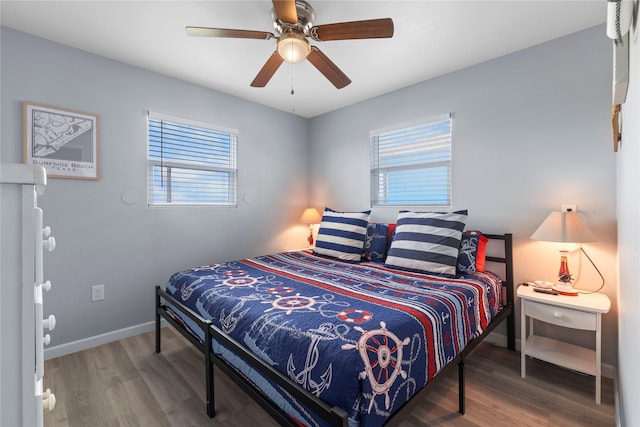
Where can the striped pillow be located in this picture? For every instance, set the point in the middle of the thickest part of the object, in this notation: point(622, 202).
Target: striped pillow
point(342, 234)
point(427, 242)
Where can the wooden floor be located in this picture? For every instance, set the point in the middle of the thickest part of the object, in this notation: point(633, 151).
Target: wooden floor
point(126, 383)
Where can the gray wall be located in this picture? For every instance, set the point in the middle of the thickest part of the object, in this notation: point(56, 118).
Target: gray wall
point(132, 248)
point(531, 131)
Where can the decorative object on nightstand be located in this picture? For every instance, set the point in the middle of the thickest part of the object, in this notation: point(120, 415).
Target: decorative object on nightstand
point(583, 312)
point(311, 216)
point(566, 227)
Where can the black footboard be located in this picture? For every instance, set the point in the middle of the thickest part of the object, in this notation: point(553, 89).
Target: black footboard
point(204, 346)
point(334, 416)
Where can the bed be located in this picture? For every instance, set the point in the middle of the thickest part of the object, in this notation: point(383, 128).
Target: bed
point(316, 340)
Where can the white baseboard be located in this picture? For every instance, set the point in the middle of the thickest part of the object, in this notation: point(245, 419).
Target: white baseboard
point(494, 338)
point(87, 343)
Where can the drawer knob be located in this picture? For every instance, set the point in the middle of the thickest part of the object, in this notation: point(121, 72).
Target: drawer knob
point(48, 400)
point(49, 244)
point(50, 322)
point(557, 315)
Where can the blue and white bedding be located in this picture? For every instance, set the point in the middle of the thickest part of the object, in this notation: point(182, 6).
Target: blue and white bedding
point(361, 336)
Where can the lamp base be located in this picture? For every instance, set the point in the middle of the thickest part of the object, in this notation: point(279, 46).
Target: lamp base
point(565, 289)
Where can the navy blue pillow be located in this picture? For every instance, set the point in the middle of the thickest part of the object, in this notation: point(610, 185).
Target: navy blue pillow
point(471, 256)
point(375, 242)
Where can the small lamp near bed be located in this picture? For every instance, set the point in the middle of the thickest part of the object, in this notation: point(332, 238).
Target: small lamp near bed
point(311, 216)
point(565, 227)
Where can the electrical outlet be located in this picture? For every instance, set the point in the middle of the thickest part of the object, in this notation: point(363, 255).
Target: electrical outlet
point(97, 293)
point(569, 207)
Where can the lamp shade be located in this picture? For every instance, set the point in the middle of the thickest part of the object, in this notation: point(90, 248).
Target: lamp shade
point(566, 227)
point(311, 216)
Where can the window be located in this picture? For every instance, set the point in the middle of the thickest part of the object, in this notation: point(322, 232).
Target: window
point(412, 166)
point(190, 163)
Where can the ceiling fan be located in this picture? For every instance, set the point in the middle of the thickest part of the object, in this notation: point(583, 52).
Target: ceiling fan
point(293, 20)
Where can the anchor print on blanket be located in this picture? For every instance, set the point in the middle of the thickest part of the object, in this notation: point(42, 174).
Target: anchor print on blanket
point(187, 289)
point(381, 351)
point(326, 331)
point(228, 322)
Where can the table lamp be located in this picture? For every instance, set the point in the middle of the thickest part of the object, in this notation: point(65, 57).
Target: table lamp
point(311, 216)
point(565, 227)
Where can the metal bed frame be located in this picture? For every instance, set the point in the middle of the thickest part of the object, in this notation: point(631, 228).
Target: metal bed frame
point(333, 415)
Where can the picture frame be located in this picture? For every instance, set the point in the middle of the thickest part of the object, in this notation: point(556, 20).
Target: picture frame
point(63, 141)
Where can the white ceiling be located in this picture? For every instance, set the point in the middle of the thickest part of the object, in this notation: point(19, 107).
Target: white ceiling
point(431, 38)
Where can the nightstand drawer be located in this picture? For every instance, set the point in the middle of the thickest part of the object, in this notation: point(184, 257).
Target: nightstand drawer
point(561, 316)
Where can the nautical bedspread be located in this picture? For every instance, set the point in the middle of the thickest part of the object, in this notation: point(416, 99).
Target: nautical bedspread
point(360, 336)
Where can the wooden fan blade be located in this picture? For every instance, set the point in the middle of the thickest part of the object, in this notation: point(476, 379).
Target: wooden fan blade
point(328, 68)
point(268, 70)
point(224, 32)
point(286, 11)
point(370, 29)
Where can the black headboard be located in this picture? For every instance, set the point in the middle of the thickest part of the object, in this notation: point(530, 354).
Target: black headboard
point(507, 260)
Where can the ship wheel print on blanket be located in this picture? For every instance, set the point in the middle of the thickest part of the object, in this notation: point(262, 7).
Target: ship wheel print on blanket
point(229, 279)
point(291, 303)
point(381, 351)
point(238, 279)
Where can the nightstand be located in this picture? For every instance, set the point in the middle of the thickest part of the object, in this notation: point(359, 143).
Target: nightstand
point(578, 312)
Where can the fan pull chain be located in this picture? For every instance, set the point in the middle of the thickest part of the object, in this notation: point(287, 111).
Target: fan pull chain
point(292, 78)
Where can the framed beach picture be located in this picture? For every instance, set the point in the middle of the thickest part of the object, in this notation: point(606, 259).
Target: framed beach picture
point(64, 142)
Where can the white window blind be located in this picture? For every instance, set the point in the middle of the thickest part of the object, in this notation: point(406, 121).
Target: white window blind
point(412, 166)
point(190, 163)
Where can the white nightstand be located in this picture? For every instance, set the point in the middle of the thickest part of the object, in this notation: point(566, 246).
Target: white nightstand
point(578, 312)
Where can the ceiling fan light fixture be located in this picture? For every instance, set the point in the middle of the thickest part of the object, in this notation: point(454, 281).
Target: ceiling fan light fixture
point(293, 47)
point(294, 22)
